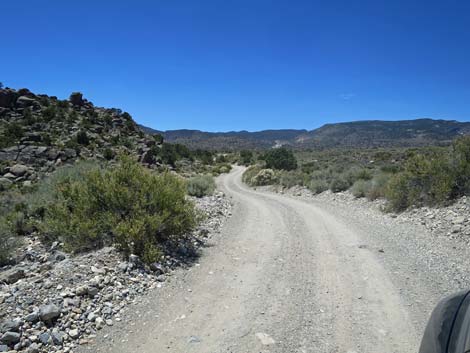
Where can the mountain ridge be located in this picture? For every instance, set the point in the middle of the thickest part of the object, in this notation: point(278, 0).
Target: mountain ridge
point(354, 134)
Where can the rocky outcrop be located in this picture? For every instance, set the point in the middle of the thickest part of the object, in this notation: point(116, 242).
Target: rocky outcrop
point(76, 98)
point(48, 132)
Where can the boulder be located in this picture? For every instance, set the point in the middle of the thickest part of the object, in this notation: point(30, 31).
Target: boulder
point(19, 170)
point(10, 326)
point(76, 98)
point(10, 338)
point(24, 102)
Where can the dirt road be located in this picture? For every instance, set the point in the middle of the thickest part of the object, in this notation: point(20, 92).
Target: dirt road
point(286, 275)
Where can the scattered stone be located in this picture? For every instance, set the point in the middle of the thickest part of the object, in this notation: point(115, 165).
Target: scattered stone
point(10, 338)
point(74, 334)
point(49, 312)
point(265, 339)
point(12, 276)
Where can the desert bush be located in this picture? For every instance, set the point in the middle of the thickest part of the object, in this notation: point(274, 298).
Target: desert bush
point(339, 183)
point(292, 178)
point(108, 154)
point(82, 138)
point(317, 186)
point(264, 177)
point(360, 188)
point(246, 157)
point(355, 173)
point(250, 173)
point(11, 134)
point(125, 204)
point(221, 169)
point(281, 159)
point(8, 242)
point(201, 185)
point(378, 186)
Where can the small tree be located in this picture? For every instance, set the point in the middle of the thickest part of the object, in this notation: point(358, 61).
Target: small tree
point(280, 158)
point(246, 157)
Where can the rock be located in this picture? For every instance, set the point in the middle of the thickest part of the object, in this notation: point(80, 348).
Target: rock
point(49, 312)
point(19, 170)
point(74, 334)
point(12, 276)
point(3, 348)
point(76, 98)
point(33, 348)
point(59, 256)
point(32, 317)
point(5, 183)
point(10, 338)
point(156, 268)
point(459, 220)
point(45, 338)
point(57, 338)
point(10, 325)
point(122, 266)
point(456, 229)
point(92, 291)
point(99, 323)
point(135, 261)
point(24, 102)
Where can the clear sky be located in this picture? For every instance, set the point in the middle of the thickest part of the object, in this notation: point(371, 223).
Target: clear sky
point(222, 65)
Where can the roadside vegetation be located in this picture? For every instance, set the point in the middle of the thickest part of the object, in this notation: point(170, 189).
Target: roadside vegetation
point(405, 177)
point(91, 204)
point(201, 185)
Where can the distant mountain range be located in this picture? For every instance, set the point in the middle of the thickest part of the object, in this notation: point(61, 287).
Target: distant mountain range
point(357, 134)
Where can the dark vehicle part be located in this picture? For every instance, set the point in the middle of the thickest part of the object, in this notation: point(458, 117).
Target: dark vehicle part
point(448, 329)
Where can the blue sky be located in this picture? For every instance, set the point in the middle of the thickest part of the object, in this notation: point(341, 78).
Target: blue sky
point(245, 64)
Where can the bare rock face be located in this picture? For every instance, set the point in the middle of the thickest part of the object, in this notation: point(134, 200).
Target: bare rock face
point(76, 98)
point(24, 102)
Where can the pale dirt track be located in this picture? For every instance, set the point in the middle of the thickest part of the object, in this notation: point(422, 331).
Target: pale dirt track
point(285, 276)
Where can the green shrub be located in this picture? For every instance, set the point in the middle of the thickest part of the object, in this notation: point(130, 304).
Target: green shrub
point(249, 173)
point(281, 159)
point(317, 186)
point(246, 157)
point(201, 185)
point(292, 178)
point(264, 177)
point(360, 188)
point(378, 186)
point(11, 135)
point(108, 154)
point(397, 192)
point(221, 169)
point(82, 138)
point(124, 204)
point(338, 184)
point(8, 242)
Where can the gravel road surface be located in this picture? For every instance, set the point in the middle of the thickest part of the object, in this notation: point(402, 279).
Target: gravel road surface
point(296, 275)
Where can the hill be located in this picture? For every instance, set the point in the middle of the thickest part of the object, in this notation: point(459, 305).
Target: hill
point(39, 133)
point(363, 134)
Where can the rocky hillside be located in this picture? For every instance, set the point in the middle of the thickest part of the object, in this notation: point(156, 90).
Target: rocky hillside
point(363, 134)
point(40, 132)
